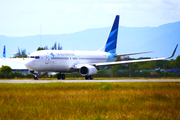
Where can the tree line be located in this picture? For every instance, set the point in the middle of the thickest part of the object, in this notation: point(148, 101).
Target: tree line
point(54, 47)
point(6, 72)
point(22, 53)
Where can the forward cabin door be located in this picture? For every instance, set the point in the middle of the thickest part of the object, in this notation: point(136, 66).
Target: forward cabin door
point(47, 59)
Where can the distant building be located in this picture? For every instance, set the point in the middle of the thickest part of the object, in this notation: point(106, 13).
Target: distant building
point(173, 70)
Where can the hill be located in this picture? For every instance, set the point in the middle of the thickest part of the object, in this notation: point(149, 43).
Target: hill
point(161, 40)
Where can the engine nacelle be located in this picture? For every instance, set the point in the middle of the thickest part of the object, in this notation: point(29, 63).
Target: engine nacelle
point(87, 70)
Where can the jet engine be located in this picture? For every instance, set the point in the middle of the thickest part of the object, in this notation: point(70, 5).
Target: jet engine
point(88, 70)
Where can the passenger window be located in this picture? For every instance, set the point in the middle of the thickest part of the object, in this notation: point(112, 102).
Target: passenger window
point(37, 57)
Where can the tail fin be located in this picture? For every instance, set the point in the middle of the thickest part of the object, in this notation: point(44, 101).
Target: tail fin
point(4, 52)
point(112, 39)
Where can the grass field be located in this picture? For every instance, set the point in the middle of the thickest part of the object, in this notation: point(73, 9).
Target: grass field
point(90, 101)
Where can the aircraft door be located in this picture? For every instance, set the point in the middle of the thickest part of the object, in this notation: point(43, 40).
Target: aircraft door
point(47, 59)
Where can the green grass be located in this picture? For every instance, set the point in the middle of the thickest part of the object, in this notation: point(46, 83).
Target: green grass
point(90, 101)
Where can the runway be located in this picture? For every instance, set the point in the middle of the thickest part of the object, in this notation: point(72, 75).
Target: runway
point(79, 81)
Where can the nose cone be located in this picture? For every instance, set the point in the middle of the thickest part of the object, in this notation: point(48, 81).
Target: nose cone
point(29, 64)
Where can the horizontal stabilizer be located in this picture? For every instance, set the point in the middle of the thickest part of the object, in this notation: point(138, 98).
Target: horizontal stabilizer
point(132, 54)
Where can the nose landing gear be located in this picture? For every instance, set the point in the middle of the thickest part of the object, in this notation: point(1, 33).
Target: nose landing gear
point(35, 75)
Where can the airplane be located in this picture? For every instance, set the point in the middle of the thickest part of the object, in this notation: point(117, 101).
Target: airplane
point(87, 63)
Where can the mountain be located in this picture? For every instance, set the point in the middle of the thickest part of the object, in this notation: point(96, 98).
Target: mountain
point(162, 40)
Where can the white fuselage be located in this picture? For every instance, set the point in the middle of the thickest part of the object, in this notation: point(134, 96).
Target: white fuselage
point(64, 60)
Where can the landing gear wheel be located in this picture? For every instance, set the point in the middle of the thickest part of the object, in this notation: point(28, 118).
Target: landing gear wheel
point(89, 77)
point(61, 76)
point(58, 76)
point(35, 77)
point(86, 77)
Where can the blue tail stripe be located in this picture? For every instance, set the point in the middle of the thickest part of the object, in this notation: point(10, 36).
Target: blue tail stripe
point(112, 39)
point(111, 46)
point(112, 33)
point(108, 44)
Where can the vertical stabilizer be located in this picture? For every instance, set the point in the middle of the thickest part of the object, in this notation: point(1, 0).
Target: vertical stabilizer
point(112, 38)
point(4, 52)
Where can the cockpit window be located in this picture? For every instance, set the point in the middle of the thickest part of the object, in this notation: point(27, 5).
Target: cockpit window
point(36, 57)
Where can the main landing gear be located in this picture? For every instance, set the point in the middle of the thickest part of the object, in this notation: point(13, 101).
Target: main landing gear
point(89, 77)
point(61, 76)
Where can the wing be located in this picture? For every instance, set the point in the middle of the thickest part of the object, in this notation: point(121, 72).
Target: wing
point(14, 63)
point(133, 61)
point(78, 66)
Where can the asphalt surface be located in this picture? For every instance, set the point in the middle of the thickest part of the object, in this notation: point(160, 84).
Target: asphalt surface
point(76, 81)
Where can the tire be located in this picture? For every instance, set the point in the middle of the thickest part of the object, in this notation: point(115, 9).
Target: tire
point(35, 77)
point(91, 77)
point(63, 76)
point(86, 77)
point(58, 76)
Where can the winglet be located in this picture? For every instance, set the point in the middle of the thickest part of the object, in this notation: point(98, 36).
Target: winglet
point(173, 51)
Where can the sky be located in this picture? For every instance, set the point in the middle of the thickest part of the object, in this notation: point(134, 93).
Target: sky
point(33, 17)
